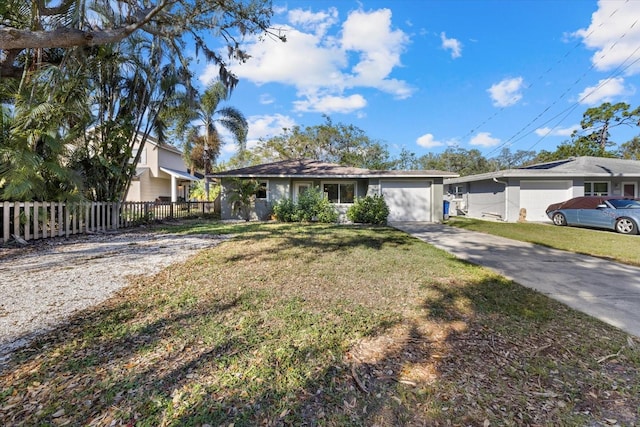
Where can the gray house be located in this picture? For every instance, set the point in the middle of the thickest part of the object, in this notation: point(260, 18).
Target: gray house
point(501, 195)
point(411, 195)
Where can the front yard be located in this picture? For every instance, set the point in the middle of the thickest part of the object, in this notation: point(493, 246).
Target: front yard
point(599, 243)
point(324, 325)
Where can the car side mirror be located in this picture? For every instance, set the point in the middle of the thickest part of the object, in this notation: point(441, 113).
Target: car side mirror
point(602, 206)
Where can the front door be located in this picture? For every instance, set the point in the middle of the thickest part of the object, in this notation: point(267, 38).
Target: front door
point(299, 188)
point(629, 189)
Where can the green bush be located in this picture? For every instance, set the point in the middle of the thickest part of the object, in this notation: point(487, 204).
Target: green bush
point(311, 206)
point(285, 210)
point(369, 210)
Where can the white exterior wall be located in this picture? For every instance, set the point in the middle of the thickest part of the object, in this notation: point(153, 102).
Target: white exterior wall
point(486, 199)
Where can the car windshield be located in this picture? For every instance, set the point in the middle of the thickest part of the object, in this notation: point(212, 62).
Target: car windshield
point(624, 203)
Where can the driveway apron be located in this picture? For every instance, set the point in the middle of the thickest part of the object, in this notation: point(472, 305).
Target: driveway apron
point(604, 289)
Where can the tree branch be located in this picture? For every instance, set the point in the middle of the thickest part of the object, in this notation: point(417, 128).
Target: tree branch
point(13, 38)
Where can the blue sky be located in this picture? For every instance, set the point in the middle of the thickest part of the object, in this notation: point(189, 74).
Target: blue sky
point(427, 75)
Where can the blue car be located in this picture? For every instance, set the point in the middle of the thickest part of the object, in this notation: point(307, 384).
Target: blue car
point(613, 213)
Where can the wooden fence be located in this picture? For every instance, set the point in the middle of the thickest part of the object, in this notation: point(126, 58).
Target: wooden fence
point(41, 220)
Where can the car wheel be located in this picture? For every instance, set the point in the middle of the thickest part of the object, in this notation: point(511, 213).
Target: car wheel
point(559, 219)
point(626, 226)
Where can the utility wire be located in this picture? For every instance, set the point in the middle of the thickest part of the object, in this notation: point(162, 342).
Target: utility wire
point(514, 138)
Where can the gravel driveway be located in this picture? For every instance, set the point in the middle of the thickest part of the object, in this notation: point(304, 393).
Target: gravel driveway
point(47, 281)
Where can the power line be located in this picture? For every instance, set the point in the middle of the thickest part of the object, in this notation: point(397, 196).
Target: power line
point(619, 70)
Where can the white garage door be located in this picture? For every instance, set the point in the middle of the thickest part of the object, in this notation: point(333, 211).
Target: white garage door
point(535, 196)
point(407, 200)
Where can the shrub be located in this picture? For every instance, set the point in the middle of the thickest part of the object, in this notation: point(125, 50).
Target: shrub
point(311, 206)
point(369, 210)
point(285, 210)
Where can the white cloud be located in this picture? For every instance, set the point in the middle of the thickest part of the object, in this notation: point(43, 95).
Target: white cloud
point(322, 62)
point(507, 92)
point(557, 131)
point(331, 104)
point(266, 99)
point(614, 34)
point(260, 127)
point(379, 48)
point(301, 62)
point(267, 126)
point(484, 139)
point(451, 44)
point(605, 91)
point(428, 141)
point(319, 22)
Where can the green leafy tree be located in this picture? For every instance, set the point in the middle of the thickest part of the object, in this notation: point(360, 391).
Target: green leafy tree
point(600, 120)
point(335, 143)
point(459, 160)
point(129, 90)
point(631, 149)
point(509, 160)
point(597, 123)
point(109, 66)
point(406, 160)
point(37, 127)
point(32, 30)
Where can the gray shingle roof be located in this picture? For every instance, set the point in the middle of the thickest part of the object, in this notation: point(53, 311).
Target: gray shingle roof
point(584, 166)
point(315, 169)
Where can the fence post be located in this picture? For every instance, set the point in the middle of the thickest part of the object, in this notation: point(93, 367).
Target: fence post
point(27, 220)
point(36, 224)
point(52, 219)
point(5, 221)
point(67, 220)
point(16, 219)
point(60, 223)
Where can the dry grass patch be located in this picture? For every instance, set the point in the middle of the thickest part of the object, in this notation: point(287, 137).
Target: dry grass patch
point(324, 325)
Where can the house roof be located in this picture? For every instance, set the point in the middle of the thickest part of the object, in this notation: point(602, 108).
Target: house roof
point(180, 174)
point(584, 166)
point(154, 141)
point(305, 168)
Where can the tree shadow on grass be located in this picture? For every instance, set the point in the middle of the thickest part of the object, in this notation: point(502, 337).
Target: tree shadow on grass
point(473, 351)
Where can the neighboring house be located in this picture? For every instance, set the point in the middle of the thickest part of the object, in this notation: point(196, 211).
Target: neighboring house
point(410, 195)
point(502, 195)
point(161, 174)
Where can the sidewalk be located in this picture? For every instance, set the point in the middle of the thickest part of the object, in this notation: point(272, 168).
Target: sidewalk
point(604, 289)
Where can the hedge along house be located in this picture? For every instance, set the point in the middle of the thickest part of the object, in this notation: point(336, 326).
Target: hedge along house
point(410, 195)
point(501, 195)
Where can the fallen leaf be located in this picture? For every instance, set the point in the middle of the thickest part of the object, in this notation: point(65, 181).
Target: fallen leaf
point(58, 413)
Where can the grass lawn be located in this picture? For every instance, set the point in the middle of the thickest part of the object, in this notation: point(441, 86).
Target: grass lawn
point(600, 243)
point(328, 326)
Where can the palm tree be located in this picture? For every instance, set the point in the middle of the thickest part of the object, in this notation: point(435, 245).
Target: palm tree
point(206, 112)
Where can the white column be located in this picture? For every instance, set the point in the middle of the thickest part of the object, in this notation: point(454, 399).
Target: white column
point(174, 189)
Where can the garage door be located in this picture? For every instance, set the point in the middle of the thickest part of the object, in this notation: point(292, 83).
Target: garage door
point(407, 200)
point(535, 196)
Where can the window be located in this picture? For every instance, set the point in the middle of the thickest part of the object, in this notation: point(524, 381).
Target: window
point(339, 192)
point(458, 191)
point(300, 188)
point(596, 188)
point(262, 190)
point(143, 156)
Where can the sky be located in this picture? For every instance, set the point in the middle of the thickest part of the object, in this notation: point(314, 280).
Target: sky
point(426, 75)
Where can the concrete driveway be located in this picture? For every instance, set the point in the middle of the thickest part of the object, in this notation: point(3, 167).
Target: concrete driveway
point(603, 289)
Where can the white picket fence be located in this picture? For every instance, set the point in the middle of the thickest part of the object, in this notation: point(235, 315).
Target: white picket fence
point(41, 220)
